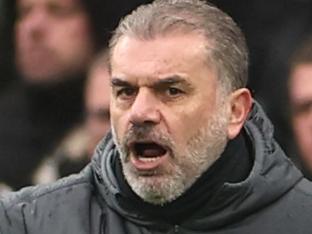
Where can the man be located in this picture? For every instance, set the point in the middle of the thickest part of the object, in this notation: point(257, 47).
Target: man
point(300, 97)
point(76, 149)
point(44, 52)
point(54, 43)
point(186, 154)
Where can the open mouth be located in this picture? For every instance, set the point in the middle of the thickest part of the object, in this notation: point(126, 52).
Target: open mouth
point(148, 149)
point(147, 155)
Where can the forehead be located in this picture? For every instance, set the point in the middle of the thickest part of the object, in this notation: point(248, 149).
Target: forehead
point(160, 55)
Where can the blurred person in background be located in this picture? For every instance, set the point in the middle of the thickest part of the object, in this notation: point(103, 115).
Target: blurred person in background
point(76, 149)
point(97, 99)
point(273, 30)
point(53, 40)
point(300, 99)
point(53, 43)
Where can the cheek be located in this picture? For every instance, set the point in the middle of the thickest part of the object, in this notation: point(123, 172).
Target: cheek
point(300, 126)
point(187, 122)
point(118, 121)
point(20, 36)
point(73, 37)
point(302, 132)
point(81, 31)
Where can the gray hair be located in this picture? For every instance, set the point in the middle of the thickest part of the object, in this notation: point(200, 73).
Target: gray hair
point(226, 45)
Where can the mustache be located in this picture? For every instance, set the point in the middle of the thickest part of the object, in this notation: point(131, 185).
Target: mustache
point(140, 132)
point(146, 133)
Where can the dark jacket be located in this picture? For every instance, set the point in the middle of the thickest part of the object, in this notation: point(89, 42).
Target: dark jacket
point(274, 198)
point(33, 121)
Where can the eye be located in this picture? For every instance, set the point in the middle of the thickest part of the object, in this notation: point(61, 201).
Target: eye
point(126, 92)
point(172, 91)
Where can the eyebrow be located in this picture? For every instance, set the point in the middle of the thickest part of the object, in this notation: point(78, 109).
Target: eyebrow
point(171, 80)
point(119, 82)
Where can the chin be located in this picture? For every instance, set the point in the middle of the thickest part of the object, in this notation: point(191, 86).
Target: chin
point(156, 189)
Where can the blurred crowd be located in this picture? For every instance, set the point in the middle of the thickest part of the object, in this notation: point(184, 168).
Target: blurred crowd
point(54, 107)
point(54, 82)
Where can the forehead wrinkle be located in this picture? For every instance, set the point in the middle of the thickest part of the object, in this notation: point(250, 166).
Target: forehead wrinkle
point(158, 64)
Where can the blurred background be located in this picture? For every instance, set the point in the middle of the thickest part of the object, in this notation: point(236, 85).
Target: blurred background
point(48, 49)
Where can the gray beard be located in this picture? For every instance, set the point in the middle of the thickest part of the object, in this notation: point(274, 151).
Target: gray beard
point(203, 149)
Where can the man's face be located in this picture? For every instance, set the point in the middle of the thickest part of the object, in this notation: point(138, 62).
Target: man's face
point(52, 39)
point(301, 101)
point(168, 120)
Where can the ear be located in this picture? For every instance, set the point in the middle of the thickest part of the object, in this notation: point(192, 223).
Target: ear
point(240, 105)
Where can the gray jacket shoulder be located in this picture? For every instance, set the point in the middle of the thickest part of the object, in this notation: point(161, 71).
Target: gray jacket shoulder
point(46, 207)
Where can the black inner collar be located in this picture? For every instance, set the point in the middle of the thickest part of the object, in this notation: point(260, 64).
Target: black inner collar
point(233, 166)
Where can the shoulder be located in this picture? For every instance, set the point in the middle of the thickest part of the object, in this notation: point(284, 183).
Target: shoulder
point(292, 213)
point(38, 192)
point(303, 192)
point(296, 203)
point(46, 205)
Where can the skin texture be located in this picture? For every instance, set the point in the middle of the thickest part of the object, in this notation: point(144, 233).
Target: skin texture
point(53, 39)
point(300, 93)
point(97, 100)
point(164, 92)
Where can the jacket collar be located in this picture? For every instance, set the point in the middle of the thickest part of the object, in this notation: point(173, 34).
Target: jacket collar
point(272, 175)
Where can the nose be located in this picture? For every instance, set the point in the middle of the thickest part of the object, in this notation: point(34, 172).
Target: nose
point(145, 108)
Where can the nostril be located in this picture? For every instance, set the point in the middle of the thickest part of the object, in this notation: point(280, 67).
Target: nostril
point(143, 123)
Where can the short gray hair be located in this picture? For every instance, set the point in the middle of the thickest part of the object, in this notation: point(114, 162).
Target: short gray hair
point(226, 45)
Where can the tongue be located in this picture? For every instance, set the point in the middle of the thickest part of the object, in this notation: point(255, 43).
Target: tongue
point(150, 150)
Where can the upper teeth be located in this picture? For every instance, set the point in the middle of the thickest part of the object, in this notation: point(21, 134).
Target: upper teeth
point(149, 159)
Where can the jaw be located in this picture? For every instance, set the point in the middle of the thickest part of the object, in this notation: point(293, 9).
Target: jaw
point(157, 186)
